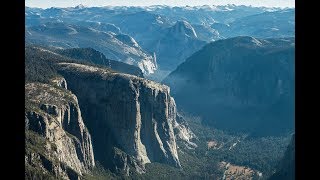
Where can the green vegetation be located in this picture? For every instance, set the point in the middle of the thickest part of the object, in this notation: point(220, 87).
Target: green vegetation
point(286, 167)
point(155, 171)
point(40, 64)
point(34, 173)
point(193, 167)
point(85, 54)
point(34, 97)
point(37, 67)
point(238, 86)
point(99, 173)
point(96, 58)
point(259, 153)
point(35, 144)
point(31, 106)
point(40, 158)
point(161, 171)
point(262, 154)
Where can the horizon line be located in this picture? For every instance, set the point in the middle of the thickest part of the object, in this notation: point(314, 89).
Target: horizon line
point(88, 6)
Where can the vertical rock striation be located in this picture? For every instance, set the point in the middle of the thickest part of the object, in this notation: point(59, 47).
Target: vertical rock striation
point(53, 115)
point(124, 111)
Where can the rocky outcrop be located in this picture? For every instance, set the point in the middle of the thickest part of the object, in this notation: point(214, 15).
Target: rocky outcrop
point(124, 111)
point(173, 46)
point(122, 163)
point(40, 163)
point(58, 142)
point(184, 133)
point(183, 28)
point(60, 82)
point(126, 39)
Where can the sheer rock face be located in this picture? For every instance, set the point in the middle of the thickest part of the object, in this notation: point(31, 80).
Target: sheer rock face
point(183, 28)
point(49, 166)
point(242, 84)
point(54, 115)
point(124, 111)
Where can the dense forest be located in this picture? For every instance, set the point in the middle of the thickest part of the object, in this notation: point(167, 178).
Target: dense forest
point(40, 63)
point(260, 154)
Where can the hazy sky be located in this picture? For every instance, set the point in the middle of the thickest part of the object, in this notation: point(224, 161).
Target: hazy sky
point(71, 3)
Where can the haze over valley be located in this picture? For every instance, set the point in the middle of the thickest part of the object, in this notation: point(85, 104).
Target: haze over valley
point(160, 92)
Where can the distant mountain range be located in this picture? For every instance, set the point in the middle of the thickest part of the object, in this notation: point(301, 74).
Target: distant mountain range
point(157, 38)
point(119, 47)
point(239, 84)
point(264, 25)
point(159, 92)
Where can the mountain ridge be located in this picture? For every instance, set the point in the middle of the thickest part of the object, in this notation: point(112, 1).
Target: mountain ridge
point(133, 134)
point(247, 76)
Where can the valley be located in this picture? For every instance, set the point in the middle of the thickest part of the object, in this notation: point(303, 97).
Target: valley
point(159, 92)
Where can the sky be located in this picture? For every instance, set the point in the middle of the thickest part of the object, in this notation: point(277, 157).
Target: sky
point(97, 3)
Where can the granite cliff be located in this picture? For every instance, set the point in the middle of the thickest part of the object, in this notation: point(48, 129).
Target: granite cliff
point(57, 140)
point(131, 120)
point(127, 112)
point(242, 84)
